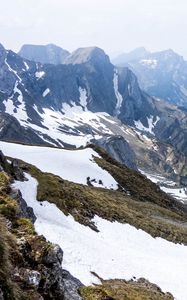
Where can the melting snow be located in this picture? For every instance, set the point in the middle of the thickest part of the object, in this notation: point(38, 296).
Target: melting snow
point(39, 74)
point(117, 93)
point(12, 70)
point(72, 165)
point(117, 251)
point(26, 65)
point(152, 63)
point(74, 116)
point(83, 98)
point(167, 186)
point(151, 124)
point(19, 111)
point(46, 92)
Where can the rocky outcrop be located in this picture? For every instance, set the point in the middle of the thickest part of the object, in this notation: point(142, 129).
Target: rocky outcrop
point(71, 285)
point(119, 149)
point(11, 130)
point(31, 267)
point(48, 277)
point(25, 211)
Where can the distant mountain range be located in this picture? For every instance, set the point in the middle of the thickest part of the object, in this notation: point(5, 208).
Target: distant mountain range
point(86, 99)
point(103, 175)
point(161, 74)
point(49, 54)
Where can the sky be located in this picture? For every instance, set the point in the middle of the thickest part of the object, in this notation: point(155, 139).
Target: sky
point(114, 25)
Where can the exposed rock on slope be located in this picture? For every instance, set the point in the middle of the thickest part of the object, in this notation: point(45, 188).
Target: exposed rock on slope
point(119, 149)
point(30, 266)
point(161, 74)
point(60, 105)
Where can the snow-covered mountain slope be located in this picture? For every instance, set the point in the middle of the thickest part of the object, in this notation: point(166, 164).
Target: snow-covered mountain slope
point(73, 165)
point(169, 187)
point(116, 251)
point(86, 99)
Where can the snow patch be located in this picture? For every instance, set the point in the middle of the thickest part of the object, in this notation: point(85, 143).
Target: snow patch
point(116, 251)
point(72, 165)
point(12, 70)
point(169, 187)
point(152, 63)
point(46, 92)
point(151, 124)
point(39, 74)
point(18, 110)
point(117, 93)
point(26, 65)
point(83, 98)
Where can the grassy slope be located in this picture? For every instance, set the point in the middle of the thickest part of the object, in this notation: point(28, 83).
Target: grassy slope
point(147, 208)
point(124, 290)
point(13, 228)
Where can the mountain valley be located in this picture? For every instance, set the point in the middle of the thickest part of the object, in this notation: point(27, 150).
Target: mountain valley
point(93, 192)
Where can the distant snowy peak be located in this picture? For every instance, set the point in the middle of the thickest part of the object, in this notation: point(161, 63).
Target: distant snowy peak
point(138, 53)
point(161, 74)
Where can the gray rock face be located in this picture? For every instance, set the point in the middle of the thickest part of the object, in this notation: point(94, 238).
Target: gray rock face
point(25, 211)
point(31, 278)
point(16, 170)
point(108, 89)
point(49, 54)
point(161, 74)
point(71, 286)
point(11, 130)
point(136, 105)
point(123, 58)
point(119, 149)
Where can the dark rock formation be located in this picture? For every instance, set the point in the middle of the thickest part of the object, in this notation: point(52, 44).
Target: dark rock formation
point(119, 149)
point(25, 211)
point(36, 266)
point(161, 74)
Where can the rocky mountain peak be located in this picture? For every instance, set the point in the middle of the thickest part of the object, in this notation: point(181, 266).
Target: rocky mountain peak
point(137, 53)
point(84, 55)
point(50, 53)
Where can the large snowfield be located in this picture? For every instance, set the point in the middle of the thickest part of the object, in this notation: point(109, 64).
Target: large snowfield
point(72, 165)
point(117, 251)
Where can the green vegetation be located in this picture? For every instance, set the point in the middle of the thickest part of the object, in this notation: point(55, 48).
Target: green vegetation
point(24, 225)
point(8, 206)
point(140, 188)
point(124, 290)
point(20, 248)
point(83, 202)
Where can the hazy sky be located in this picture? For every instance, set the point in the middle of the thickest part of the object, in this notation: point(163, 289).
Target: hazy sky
point(114, 25)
